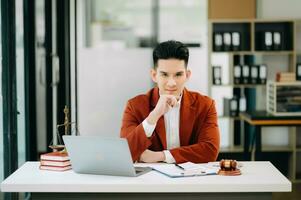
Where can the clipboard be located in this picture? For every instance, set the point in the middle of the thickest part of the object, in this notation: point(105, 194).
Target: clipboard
point(174, 171)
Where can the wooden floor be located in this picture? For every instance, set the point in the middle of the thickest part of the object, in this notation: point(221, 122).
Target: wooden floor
point(294, 195)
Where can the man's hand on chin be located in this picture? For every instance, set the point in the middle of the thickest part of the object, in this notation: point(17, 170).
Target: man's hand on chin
point(149, 156)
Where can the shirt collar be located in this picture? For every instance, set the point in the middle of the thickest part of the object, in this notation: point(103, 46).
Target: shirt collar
point(179, 101)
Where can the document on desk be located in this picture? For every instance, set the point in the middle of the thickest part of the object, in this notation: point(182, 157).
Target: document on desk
point(185, 170)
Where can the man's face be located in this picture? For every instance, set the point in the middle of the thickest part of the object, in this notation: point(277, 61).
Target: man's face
point(170, 76)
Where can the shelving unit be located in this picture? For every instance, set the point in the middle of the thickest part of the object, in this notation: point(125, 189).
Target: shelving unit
point(241, 85)
point(252, 52)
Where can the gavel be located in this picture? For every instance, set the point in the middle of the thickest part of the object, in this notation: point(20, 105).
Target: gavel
point(228, 165)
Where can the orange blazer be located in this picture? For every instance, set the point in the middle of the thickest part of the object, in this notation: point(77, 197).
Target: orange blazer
point(199, 133)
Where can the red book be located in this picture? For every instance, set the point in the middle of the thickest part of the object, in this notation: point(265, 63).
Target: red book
point(55, 168)
point(55, 156)
point(55, 163)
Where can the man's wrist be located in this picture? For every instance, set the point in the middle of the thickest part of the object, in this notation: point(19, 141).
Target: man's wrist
point(168, 157)
point(152, 118)
point(161, 156)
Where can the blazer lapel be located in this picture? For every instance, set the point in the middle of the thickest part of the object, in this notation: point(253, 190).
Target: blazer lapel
point(187, 117)
point(160, 130)
point(160, 127)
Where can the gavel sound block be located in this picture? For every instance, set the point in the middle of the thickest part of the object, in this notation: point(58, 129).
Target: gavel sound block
point(228, 168)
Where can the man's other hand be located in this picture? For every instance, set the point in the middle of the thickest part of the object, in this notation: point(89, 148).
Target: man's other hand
point(149, 156)
point(165, 103)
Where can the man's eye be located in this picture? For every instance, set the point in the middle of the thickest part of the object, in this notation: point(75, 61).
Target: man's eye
point(178, 75)
point(164, 75)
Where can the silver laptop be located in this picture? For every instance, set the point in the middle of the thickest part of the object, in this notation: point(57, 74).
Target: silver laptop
point(99, 155)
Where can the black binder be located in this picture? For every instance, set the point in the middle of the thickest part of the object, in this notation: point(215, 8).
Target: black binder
point(242, 103)
point(298, 71)
point(254, 74)
point(263, 74)
point(268, 40)
point(277, 41)
point(217, 42)
point(237, 132)
point(217, 75)
point(237, 74)
point(227, 41)
point(246, 74)
point(226, 102)
point(234, 107)
point(236, 42)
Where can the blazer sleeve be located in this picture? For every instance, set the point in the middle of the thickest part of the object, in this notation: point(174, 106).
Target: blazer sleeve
point(133, 131)
point(208, 140)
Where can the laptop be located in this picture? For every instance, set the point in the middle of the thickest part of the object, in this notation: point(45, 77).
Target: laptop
point(100, 155)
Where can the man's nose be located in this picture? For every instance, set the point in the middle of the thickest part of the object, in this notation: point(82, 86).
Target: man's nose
point(171, 82)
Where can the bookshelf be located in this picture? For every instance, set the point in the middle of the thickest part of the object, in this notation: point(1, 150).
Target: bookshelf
point(254, 49)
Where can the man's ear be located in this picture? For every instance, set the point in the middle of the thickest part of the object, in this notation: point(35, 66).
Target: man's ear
point(153, 74)
point(188, 74)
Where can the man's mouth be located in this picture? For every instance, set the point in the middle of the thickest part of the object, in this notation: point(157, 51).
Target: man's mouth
point(171, 90)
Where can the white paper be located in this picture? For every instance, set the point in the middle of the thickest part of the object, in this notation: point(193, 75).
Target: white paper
point(190, 169)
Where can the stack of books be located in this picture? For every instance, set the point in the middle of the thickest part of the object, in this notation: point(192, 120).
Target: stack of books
point(55, 161)
point(285, 77)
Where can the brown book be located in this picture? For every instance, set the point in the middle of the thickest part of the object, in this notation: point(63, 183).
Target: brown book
point(286, 80)
point(55, 168)
point(55, 163)
point(285, 77)
point(286, 74)
point(55, 156)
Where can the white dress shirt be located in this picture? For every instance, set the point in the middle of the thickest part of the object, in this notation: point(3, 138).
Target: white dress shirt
point(172, 125)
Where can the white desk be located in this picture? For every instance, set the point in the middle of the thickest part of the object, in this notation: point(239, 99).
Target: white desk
point(258, 179)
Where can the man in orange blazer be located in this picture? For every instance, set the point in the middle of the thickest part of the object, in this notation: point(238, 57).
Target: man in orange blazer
point(169, 123)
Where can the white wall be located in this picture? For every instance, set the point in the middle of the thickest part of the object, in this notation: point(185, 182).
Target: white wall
point(198, 64)
point(107, 78)
point(109, 74)
point(278, 9)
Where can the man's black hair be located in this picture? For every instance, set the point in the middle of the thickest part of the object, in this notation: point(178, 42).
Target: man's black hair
point(170, 49)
